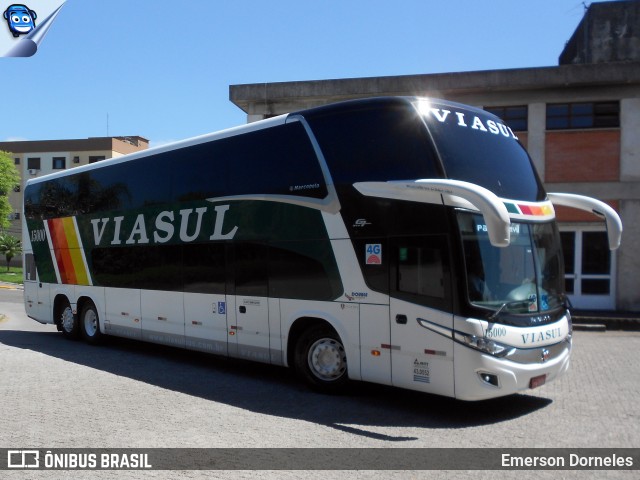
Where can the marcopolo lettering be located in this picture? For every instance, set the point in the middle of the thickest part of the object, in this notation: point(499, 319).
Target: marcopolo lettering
point(185, 225)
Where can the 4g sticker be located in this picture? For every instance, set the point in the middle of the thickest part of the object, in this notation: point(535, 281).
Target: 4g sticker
point(373, 255)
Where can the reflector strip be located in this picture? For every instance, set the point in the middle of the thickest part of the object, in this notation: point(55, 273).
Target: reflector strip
point(537, 381)
point(436, 352)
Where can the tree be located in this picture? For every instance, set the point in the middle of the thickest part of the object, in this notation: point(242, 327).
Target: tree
point(9, 247)
point(9, 179)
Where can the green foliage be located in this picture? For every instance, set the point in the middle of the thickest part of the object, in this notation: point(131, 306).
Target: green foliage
point(10, 247)
point(9, 179)
point(14, 275)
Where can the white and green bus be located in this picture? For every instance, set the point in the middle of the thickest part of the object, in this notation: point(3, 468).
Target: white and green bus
point(402, 241)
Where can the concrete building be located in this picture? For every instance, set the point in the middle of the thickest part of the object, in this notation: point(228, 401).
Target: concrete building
point(579, 121)
point(40, 157)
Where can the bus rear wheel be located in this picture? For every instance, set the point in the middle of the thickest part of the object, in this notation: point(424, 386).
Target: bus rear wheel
point(90, 324)
point(68, 321)
point(321, 360)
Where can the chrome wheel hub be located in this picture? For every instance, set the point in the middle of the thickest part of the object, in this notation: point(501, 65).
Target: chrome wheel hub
point(68, 320)
point(90, 323)
point(327, 359)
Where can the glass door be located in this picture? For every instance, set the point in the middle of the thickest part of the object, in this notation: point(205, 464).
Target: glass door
point(589, 269)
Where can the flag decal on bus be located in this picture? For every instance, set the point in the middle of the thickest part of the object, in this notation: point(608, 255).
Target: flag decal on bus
point(544, 210)
point(70, 262)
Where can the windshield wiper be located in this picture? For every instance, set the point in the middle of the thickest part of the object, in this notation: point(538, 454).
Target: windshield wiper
point(566, 301)
point(508, 305)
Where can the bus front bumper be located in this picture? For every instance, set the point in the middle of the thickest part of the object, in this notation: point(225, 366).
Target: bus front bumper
point(480, 376)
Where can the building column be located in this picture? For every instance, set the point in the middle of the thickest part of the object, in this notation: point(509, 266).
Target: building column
point(629, 139)
point(537, 125)
point(628, 267)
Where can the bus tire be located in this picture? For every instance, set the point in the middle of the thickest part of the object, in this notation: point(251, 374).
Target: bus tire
point(68, 320)
point(90, 324)
point(321, 360)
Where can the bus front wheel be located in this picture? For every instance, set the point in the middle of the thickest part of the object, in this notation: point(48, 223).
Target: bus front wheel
point(321, 360)
point(90, 324)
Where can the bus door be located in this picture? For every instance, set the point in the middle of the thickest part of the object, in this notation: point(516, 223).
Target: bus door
point(205, 300)
point(36, 293)
point(249, 319)
point(421, 314)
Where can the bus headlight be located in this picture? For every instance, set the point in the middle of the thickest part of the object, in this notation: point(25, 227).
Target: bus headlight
point(484, 345)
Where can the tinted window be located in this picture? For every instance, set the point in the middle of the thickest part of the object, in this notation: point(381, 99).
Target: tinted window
point(420, 271)
point(135, 184)
point(204, 268)
point(274, 161)
point(30, 267)
point(301, 270)
point(55, 198)
point(478, 148)
point(297, 270)
point(278, 161)
point(146, 267)
point(250, 268)
point(373, 143)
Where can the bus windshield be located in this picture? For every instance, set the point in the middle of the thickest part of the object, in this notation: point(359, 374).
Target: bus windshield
point(477, 147)
point(523, 278)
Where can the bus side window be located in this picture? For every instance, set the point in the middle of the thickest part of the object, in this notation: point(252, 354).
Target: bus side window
point(251, 270)
point(30, 268)
point(420, 271)
point(297, 270)
point(204, 268)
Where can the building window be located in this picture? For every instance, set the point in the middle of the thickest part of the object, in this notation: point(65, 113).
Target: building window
point(96, 158)
point(33, 163)
point(561, 116)
point(16, 161)
point(59, 163)
point(514, 116)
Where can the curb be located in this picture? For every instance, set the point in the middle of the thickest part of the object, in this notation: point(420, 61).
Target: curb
point(585, 327)
point(606, 321)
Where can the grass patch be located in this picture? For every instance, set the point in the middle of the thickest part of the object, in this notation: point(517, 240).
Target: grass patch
point(14, 275)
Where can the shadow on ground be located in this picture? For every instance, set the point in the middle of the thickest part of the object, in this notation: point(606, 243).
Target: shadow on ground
point(275, 390)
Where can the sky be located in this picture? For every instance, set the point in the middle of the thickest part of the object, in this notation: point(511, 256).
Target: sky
point(162, 69)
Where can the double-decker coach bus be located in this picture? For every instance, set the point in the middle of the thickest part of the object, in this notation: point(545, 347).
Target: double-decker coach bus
point(403, 241)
